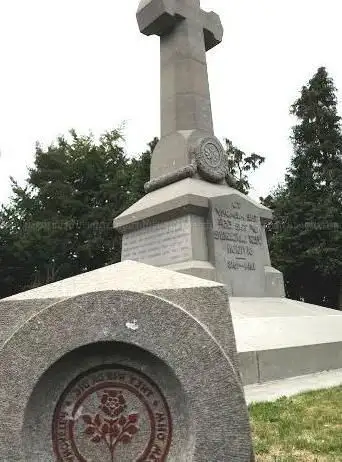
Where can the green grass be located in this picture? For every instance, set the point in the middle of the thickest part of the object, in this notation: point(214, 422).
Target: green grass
point(306, 427)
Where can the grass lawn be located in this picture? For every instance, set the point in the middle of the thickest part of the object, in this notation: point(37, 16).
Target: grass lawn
point(306, 427)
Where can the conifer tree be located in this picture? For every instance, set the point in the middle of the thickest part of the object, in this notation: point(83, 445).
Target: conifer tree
point(306, 235)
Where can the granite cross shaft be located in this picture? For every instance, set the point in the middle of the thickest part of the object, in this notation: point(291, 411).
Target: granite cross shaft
point(186, 33)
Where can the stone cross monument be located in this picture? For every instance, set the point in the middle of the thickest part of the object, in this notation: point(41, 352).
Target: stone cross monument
point(186, 33)
point(192, 220)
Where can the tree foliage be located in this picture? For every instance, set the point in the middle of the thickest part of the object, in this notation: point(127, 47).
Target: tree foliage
point(140, 171)
point(241, 165)
point(306, 234)
point(60, 223)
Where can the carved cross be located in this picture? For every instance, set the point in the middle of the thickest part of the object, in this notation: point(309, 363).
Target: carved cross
point(186, 33)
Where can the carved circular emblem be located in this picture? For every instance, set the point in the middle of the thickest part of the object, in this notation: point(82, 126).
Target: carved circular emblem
point(112, 414)
point(211, 159)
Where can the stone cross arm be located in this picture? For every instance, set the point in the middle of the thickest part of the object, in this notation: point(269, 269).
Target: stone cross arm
point(159, 17)
point(186, 33)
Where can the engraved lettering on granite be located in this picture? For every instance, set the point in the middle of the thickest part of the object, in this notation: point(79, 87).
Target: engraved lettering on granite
point(240, 250)
point(255, 240)
point(160, 244)
point(242, 233)
point(237, 265)
point(112, 413)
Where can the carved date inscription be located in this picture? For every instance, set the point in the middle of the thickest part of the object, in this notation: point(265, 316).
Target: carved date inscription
point(241, 235)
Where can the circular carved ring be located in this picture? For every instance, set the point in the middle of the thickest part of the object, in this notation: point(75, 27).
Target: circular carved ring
point(112, 413)
point(211, 159)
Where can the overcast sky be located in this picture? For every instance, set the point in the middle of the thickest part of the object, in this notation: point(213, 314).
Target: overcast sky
point(83, 64)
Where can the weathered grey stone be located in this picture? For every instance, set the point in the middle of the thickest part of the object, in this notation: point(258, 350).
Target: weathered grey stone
point(186, 33)
point(164, 180)
point(211, 159)
point(14, 315)
point(175, 200)
point(283, 363)
point(161, 356)
point(188, 153)
point(156, 16)
point(167, 243)
point(176, 227)
point(279, 338)
point(272, 391)
point(199, 268)
point(239, 250)
point(249, 367)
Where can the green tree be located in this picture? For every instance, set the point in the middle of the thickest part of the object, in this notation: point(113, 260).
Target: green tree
point(140, 171)
point(306, 234)
point(60, 224)
point(240, 166)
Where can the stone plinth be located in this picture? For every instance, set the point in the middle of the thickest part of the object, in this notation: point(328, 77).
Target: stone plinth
point(129, 362)
point(279, 338)
point(239, 249)
point(204, 229)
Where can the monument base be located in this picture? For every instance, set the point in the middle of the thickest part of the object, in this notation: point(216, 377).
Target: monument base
point(205, 230)
point(197, 268)
point(278, 338)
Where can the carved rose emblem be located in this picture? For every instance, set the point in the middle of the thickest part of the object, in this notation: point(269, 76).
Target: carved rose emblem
point(212, 155)
point(113, 403)
point(114, 427)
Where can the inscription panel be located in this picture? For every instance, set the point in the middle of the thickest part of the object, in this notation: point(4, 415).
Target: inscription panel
point(112, 414)
point(238, 246)
point(160, 244)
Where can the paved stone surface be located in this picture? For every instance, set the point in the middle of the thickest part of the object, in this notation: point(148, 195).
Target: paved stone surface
point(279, 338)
point(269, 307)
point(271, 391)
point(273, 323)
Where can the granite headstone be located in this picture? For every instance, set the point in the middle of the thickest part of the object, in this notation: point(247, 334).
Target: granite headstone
point(126, 363)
